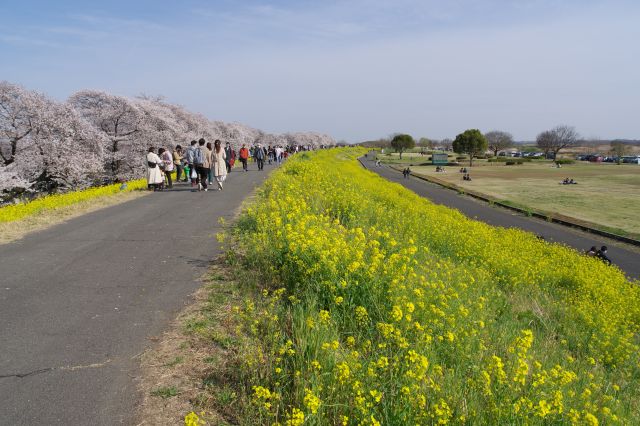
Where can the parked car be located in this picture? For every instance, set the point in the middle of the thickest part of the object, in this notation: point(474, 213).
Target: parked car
point(632, 159)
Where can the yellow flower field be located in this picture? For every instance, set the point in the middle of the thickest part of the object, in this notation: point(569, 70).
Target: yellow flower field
point(51, 202)
point(379, 307)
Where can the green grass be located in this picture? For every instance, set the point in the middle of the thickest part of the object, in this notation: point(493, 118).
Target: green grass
point(606, 195)
point(165, 392)
point(177, 360)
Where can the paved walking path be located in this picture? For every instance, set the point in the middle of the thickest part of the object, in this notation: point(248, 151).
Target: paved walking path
point(625, 257)
point(79, 301)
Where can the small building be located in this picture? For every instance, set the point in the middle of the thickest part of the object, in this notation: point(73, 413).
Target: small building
point(439, 158)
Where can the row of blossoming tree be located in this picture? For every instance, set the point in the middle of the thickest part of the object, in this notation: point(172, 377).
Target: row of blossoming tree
point(96, 137)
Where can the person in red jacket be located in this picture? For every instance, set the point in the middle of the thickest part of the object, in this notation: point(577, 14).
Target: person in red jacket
point(244, 156)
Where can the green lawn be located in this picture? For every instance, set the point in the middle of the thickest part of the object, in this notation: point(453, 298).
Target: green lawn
point(414, 158)
point(606, 194)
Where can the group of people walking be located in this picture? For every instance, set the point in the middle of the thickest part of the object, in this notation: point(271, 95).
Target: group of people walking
point(204, 164)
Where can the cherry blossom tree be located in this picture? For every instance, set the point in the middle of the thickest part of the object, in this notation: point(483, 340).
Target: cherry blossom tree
point(310, 140)
point(121, 122)
point(97, 137)
point(20, 111)
point(45, 145)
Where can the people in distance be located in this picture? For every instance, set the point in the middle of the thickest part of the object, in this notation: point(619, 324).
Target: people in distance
point(166, 165)
point(219, 166)
point(602, 255)
point(244, 157)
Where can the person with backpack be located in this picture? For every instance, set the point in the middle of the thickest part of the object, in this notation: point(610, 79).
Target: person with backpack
point(259, 156)
point(203, 164)
point(244, 156)
point(230, 157)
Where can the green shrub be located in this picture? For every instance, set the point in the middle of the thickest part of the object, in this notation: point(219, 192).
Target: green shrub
point(518, 160)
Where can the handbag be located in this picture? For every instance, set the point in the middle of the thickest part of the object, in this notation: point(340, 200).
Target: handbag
point(151, 164)
point(194, 175)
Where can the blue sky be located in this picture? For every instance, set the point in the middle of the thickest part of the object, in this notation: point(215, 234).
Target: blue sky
point(354, 69)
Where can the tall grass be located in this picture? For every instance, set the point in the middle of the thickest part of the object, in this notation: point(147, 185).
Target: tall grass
point(379, 307)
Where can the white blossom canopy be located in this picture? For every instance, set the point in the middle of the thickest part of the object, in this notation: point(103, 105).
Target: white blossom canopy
point(98, 137)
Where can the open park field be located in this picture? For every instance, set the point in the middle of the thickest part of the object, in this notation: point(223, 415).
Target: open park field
point(607, 195)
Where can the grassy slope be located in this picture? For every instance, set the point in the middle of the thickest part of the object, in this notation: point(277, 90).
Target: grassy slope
point(334, 254)
point(607, 194)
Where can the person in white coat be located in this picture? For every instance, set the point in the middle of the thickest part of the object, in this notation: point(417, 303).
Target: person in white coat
point(218, 163)
point(155, 178)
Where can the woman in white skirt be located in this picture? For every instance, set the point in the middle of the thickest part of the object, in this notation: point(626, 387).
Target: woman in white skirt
point(219, 165)
point(155, 178)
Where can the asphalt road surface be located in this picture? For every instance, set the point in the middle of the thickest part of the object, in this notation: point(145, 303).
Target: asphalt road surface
point(79, 301)
point(625, 257)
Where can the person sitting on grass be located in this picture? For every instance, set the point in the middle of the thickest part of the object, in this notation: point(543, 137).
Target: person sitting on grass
point(602, 255)
point(592, 252)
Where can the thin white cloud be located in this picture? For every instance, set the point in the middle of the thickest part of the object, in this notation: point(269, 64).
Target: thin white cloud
point(24, 41)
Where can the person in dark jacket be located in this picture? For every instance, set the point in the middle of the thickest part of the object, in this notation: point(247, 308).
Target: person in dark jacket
point(191, 161)
point(602, 255)
point(258, 154)
point(229, 155)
